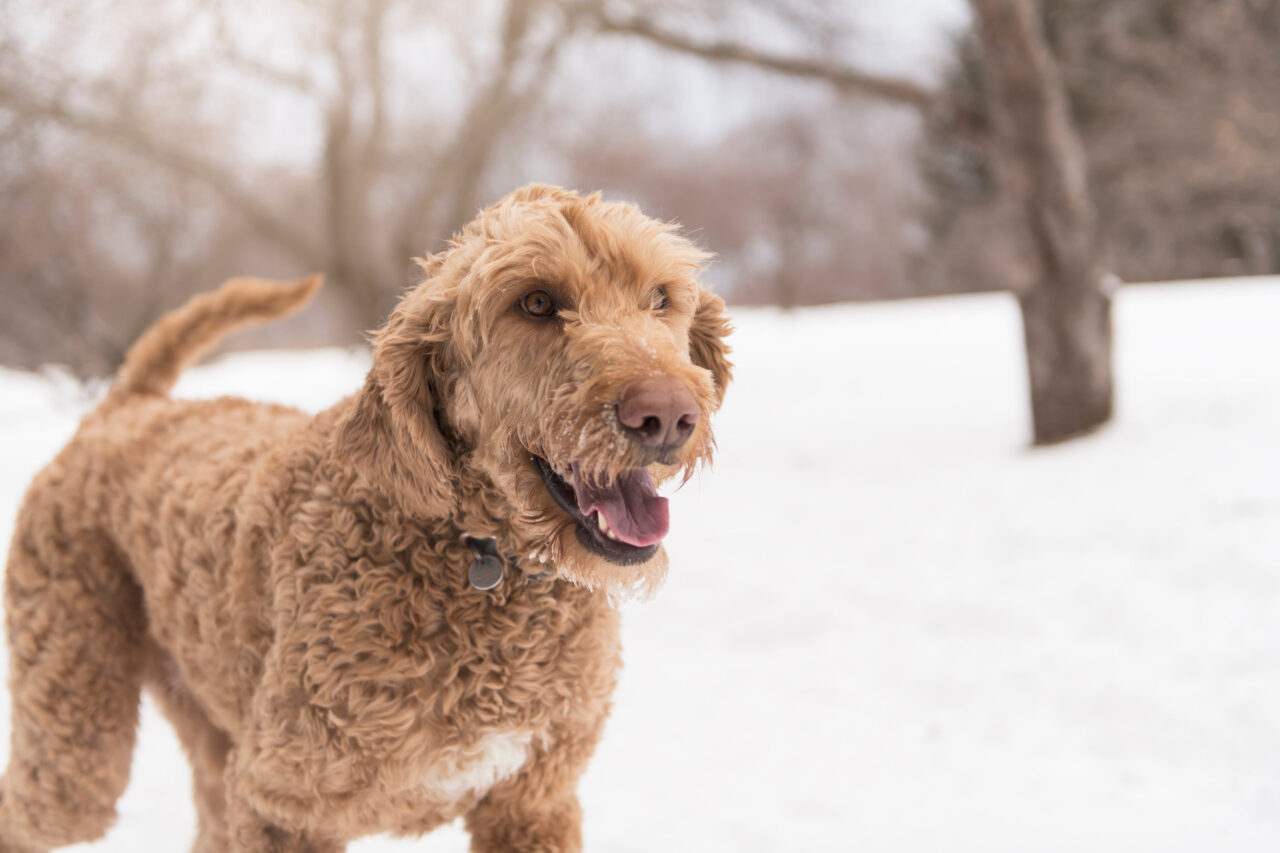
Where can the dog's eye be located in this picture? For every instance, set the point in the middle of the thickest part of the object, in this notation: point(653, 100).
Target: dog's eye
point(660, 301)
point(538, 303)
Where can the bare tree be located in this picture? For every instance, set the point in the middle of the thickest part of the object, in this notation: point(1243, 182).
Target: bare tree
point(1066, 311)
point(86, 301)
point(384, 185)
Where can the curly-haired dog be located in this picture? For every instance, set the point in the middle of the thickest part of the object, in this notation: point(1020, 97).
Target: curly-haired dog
point(295, 590)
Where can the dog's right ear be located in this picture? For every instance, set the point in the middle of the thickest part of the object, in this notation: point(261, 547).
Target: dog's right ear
point(393, 435)
point(707, 348)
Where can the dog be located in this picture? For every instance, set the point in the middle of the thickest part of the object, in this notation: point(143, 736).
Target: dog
point(394, 613)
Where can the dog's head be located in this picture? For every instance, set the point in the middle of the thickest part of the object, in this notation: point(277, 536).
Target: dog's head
point(559, 361)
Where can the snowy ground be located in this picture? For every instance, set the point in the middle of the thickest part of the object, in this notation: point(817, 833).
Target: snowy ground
point(890, 626)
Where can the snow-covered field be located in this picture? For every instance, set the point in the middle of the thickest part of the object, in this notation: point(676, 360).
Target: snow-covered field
point(891, 626)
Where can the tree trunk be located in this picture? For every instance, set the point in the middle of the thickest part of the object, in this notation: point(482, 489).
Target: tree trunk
point(1068, 337)
point(1039, 160)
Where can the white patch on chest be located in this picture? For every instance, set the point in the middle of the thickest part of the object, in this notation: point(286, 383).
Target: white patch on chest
point(479, 768)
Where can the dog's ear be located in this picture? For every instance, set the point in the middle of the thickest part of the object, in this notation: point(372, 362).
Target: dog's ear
point(707, 348)
point(393, 435)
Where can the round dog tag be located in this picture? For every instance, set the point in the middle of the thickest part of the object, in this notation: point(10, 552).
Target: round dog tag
point(486, 572)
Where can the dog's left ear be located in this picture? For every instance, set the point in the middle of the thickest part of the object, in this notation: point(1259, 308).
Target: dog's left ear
point(393, 434)
point(707, 348)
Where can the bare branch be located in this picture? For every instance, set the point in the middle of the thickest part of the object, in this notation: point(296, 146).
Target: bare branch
point(130, 137)
point(374, 28)
point(849, 80)
point(280, 77)
point(457, 171)
point(351, 147)
point(482, 135)
point(255, 66)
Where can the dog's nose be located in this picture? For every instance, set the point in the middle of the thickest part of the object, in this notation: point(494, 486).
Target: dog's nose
point(659, 413)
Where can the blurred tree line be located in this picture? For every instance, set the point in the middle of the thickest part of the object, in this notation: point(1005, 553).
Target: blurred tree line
point(149, 150)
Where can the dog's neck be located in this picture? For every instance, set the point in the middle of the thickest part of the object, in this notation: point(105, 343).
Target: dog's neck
point(474, 508)
point(490, 565)
point(481, 519)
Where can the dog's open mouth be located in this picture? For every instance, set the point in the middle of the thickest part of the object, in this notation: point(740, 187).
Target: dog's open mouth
point(622, 521)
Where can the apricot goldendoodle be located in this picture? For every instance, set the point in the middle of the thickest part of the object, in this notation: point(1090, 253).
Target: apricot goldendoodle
point(306, 596)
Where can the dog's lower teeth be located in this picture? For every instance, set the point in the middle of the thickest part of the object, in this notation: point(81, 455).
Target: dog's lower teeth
point(604, 527)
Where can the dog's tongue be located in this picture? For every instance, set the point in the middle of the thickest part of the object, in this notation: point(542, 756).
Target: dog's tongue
point(630, 504)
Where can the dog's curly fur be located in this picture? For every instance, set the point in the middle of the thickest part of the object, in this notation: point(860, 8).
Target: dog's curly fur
point(293, 589)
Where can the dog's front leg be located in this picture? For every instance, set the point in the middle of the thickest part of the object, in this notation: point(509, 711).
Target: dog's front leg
point(535, 811)
point(265, 811)
point(502, 824)
point(250, 832)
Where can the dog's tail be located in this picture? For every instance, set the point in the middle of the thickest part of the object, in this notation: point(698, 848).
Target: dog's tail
point(180, 337)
